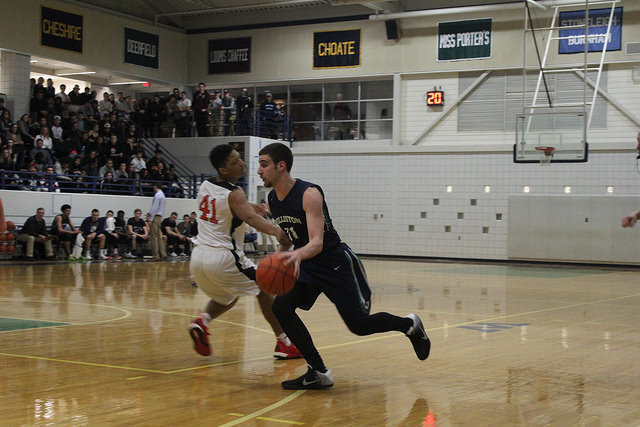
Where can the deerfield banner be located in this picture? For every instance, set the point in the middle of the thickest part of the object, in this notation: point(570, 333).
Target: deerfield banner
point(230, 55)
point(598, 21)
point(336, 49)
point(141, 48)
point(464, 39)
point(61, 30)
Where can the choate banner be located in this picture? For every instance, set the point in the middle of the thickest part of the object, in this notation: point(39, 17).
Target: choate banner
point(141, 48)
point(336, 49)
point(61, 30)
point(230, 55)
point(572, 39)
point(464, 39)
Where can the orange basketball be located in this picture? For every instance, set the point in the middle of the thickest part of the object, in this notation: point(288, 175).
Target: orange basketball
point(10, 225)
point(274, 276)
point(9, 237)
point(11, 248)
point(2, 237)
point(3, 248)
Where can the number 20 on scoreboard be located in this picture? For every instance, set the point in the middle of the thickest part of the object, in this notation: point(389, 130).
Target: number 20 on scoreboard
point(435, 98)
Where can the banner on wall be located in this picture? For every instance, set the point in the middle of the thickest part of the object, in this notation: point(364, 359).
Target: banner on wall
point(230, 55)
point(464, 39)
point(598, 22)
point(336, 49)
point(61, 30)
point(141, 48)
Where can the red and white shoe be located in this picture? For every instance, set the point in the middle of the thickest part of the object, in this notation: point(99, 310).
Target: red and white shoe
point(199, 334)
point(286, 352)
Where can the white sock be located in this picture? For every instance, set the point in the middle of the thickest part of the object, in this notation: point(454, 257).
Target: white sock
point(206, 318)
point(284, 339)
point(103, 251)
point(115, 252)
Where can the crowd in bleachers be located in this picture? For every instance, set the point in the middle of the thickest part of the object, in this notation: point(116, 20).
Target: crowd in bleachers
point(68, 139)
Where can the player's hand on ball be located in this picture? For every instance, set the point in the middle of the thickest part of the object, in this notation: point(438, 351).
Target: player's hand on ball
point(292, 257)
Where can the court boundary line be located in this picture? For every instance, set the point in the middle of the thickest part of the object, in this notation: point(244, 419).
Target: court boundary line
point(386, 336)
point(264, 410)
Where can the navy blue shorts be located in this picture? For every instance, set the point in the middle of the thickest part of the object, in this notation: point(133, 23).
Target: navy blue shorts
point(337, 273)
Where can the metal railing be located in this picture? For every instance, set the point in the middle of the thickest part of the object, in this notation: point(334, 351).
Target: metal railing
point(185, 187)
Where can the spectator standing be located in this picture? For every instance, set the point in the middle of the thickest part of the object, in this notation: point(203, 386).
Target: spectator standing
point(158, 251)
point(216, 114)
point(267, 115)
point(184, 105)
point(228, 105)
point(49, 90)
point(62, 95)
point(38, 106)
point(35, 230)
point(244, 107)
point(200, 107)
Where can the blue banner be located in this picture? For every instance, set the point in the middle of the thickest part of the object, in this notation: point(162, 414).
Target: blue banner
point(598, 21)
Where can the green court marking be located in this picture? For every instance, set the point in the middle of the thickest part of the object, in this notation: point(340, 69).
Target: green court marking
point(9, 324)
point(520, 271)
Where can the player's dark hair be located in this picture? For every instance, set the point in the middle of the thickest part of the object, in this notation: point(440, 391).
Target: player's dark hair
point(95, 211)
point(278, 153)
point(65, 207)
point(219, 155)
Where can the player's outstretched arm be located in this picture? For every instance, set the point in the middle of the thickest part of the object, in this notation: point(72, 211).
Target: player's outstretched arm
point(245, 211)
point(631, 219)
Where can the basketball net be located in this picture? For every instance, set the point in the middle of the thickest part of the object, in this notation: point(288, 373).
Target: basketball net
point(546, 154)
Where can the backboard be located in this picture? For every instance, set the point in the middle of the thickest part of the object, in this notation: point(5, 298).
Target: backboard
point(564, 131)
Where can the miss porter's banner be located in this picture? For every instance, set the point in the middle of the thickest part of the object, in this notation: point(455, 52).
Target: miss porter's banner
point(464, 39)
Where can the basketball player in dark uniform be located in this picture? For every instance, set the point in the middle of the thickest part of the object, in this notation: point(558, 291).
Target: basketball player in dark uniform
point(325, 265)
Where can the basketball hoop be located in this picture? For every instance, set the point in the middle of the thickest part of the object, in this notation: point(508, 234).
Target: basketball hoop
point(546, 154)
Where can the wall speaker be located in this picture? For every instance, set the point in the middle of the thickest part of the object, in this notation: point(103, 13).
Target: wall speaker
point(393, 30)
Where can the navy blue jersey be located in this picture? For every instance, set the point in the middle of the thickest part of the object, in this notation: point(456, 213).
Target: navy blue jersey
point(290, 216)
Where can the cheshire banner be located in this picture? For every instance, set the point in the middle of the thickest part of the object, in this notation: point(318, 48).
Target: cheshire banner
point(61, 30)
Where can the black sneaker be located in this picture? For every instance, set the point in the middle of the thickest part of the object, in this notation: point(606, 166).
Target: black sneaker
point(419, 339)
point(312, 380)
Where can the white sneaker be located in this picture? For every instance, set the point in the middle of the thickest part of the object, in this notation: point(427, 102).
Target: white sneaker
point(173, 255)
point(182, 254)
point(102, 257)
point(88, 256)
point(129, 255)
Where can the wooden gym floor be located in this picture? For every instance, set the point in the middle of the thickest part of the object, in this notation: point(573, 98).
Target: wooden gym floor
point(100, 344)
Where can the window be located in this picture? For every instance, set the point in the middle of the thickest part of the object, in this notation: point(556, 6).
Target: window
point(493, 105)
point(344, 110)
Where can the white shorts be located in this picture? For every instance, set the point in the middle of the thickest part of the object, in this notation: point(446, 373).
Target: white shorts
point(223, 274)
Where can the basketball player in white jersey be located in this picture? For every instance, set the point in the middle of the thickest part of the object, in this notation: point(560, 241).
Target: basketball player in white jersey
point(218, 264)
